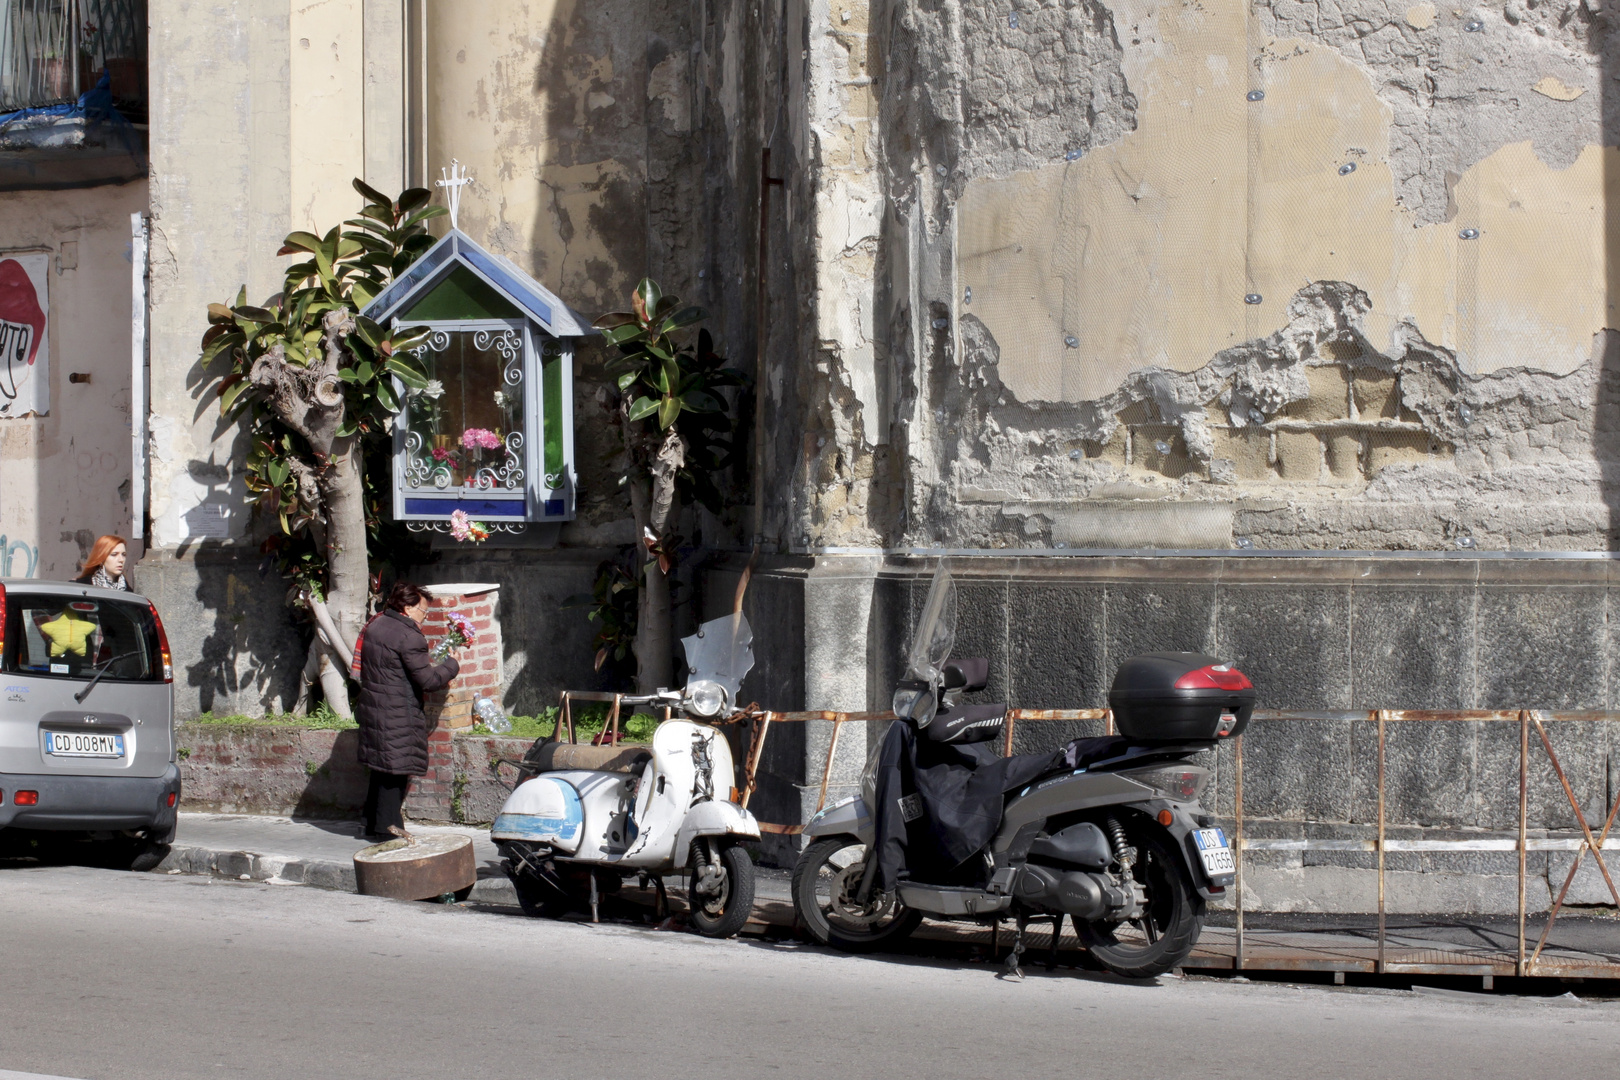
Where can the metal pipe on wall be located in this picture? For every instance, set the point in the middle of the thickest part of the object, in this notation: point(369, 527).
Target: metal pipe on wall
point(138, 319)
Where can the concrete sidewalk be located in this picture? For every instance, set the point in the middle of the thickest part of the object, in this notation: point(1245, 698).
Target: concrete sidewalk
point(320, 853)
point(305, 852)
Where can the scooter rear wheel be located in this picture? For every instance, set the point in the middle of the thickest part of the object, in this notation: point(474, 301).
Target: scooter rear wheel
point(824, 879)
point(1170, 923)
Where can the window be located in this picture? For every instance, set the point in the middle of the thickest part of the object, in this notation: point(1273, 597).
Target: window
point(52, 51)
point(73, 635)
point(492, 432)
point(466, 432)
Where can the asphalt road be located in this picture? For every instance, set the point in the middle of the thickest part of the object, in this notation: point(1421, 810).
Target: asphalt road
point(111, 976)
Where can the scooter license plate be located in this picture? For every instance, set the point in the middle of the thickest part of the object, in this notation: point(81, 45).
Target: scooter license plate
point(1213, 850)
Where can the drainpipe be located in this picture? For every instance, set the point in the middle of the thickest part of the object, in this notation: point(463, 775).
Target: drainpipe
point(766, 180)
point(138, 320)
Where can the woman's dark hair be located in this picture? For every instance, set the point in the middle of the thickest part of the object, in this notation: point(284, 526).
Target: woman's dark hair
point(404, 595)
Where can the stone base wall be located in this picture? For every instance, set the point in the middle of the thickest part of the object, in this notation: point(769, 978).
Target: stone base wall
point(297, 772)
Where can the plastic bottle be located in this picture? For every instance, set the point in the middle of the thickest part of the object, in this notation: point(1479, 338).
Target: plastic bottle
point(490, 715)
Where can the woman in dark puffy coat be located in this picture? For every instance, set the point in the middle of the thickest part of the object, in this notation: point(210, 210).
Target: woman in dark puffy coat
point(395, 673)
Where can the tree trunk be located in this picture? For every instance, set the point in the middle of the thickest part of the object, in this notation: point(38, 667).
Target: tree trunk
point(348, 573)
point(655, 661)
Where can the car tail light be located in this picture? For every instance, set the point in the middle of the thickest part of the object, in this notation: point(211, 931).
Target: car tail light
point(2, 618)
point(1214, 677)
point(26, 798)
point(163, 644)
point(172, 797)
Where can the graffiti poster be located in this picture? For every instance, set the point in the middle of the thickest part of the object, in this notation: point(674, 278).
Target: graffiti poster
point(25, 385)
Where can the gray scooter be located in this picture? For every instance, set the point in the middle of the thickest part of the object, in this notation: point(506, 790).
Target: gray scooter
point(1109, 833)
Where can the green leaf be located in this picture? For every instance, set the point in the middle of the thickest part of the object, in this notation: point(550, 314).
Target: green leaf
point(665, 305)
point(348, 247)
point(668, 411)
point(684, 317)
point(614, 318)
point(701, 401)
point(386, 395)
point(227, 397)
point(254, 314)
point(411, 198)
point(626, 380)
point(407, 375)
point(366, 371)
point(618, 335)
point(277, 471)
point(369, 331)
point(427, 213)
point(409, 339)
point(642, 408)
point(370, 193)
point(364, 291)
point(219, 313)
point(646, 299)
point(348, 375)
point(671, 381)
point(303, 241)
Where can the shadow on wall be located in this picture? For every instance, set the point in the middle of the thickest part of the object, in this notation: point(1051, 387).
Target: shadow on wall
point(234, 641)
point(337, 786)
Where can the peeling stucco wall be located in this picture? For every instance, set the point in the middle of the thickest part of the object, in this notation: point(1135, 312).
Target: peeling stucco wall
point(1166, 274)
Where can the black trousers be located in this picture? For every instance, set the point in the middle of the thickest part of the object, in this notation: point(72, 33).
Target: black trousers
point(385, 801)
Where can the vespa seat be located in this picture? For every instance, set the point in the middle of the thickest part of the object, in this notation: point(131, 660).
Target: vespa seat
point(547, 756)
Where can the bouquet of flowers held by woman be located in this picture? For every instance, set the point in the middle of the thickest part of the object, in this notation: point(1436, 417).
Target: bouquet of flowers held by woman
point(460, 633)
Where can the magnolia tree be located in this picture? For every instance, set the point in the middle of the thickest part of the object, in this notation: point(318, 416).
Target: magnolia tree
point(312, 380)
point(675, 430)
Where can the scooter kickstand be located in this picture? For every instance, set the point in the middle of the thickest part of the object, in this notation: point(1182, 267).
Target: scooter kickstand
point(1013, 969)
point(661, 906)
point(594, 898)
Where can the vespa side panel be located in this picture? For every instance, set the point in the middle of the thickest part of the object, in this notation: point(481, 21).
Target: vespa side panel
point(605, 797)
point(546, 809)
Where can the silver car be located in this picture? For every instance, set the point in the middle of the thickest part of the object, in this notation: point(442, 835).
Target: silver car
point(87, 750)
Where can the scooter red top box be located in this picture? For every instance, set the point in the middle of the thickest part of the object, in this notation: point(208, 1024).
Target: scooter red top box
point(1180, 697)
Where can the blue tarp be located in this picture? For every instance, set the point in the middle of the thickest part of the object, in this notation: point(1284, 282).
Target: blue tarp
point(94, 104)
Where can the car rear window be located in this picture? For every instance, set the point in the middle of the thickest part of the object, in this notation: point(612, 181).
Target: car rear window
point(73, 636)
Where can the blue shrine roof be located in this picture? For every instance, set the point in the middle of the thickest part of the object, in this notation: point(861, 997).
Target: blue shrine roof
point(455, 250)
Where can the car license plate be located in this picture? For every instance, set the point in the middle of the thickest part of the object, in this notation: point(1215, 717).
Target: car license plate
point(84, 744)
point(1213, 850)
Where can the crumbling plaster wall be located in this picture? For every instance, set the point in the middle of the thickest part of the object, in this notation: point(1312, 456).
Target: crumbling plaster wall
point(607, 142)
point(1190, 275)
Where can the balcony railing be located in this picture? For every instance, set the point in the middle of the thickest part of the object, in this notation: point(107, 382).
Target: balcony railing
point(52, 51)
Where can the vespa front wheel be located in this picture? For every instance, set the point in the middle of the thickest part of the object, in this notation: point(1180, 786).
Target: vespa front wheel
point(826, 880)
point(1168, 927)
point(720, 888)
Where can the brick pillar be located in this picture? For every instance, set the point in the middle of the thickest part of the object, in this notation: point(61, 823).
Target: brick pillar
point(481, 668)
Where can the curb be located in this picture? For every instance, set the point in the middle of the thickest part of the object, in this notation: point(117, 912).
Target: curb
point(292, 870)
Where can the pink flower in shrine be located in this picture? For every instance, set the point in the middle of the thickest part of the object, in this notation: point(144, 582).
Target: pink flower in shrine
point(480, 438)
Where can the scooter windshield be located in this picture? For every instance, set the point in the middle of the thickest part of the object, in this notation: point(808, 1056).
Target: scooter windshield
point(936, 630)
point(721, 651)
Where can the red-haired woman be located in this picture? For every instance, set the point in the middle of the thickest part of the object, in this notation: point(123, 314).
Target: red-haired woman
point(105, 568)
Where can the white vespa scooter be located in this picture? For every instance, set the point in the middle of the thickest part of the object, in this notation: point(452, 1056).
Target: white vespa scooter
point(592, 816)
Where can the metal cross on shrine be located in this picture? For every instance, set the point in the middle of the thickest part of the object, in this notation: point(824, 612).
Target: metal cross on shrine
point(453, 180)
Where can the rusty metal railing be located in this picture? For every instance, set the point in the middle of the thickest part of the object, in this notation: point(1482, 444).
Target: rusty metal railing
point(1528, 959)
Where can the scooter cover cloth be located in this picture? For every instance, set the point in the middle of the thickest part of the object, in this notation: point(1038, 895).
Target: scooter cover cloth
point(939, 804)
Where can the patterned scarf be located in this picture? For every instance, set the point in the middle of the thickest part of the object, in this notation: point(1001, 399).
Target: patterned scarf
point(101, 580)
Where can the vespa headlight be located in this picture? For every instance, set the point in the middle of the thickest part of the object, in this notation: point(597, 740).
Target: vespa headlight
point(705, 698)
